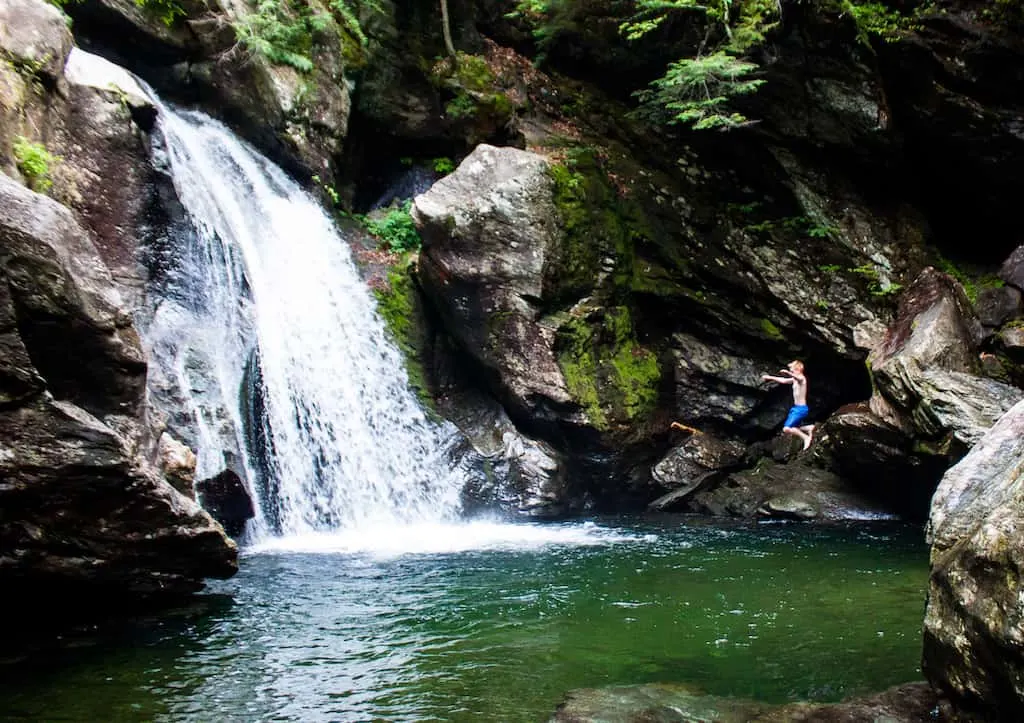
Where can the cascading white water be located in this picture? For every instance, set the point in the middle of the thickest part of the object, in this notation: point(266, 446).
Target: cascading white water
point(349, 444)
point(262, 267)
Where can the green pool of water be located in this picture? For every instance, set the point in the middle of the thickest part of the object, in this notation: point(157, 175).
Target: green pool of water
point(500, 630)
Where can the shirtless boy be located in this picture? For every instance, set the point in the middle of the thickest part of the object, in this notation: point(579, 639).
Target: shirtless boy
point(794, 375)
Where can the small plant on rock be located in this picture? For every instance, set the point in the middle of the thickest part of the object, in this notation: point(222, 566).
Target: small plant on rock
point(396, 230)
point(34, 162)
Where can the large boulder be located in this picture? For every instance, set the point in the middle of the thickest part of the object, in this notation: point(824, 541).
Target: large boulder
point(687, 466)
point(881, 461)
point(488, 230)
point(973, 637)
point(509, 472)
point(925, 370)
point(794, 491)
point(85, 508)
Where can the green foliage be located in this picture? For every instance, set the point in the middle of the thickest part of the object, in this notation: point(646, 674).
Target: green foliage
point(34, 162)
point(875, 285)
point(286, 32)
point(461, 106)
point(972, 283)
point(770, 330)
point(397, 231)
point(443, 165)
point(874, 19)
point(697, 91)
point(799, 225)
point(167, 10)
point(330, 191)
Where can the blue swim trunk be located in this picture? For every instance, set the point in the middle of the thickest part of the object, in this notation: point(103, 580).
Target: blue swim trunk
point(797, 414)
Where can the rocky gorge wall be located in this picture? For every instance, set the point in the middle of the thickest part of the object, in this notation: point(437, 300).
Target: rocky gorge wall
point(585, 279)
point(96, 499)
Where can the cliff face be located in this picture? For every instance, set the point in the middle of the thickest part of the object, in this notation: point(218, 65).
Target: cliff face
point(88, 504)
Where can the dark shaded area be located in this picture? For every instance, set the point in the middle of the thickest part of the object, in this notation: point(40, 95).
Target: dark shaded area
point(224, 496)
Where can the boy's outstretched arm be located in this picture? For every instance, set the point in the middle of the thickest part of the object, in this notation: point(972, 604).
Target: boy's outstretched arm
point(777, 380)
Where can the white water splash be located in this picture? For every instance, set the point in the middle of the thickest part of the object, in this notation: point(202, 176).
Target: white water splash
point(434, 538)
point(349, 447)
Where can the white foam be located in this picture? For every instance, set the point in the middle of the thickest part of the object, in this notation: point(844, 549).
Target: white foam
point(440, 538)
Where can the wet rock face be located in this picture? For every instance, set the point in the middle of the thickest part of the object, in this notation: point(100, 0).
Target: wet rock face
point(84, 508)
point(972, 630)
point(510, 473)
point(68, 314)
point(225, 497)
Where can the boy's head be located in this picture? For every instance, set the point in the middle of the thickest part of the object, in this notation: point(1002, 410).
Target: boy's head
point(796, 366)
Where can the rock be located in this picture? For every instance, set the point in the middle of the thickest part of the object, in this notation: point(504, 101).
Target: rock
point(925, 368)
point(511, 473)
point(972, 632)
point(1012, 339)
point(64, 298)
point(487, 230)
point(33, 35)
point(662, 702)
point(298, 119)
point(882, 461)
point(688, 465)
point(996, 306)
point(786, 491)
point(84, 508)
point(177, 463)
point(83, 513)
point(1012, 270)
point(227, 500)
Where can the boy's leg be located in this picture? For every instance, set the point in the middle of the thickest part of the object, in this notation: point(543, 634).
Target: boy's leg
point(798, 432)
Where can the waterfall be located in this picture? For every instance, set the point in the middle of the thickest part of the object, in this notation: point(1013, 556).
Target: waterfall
point(266, 332)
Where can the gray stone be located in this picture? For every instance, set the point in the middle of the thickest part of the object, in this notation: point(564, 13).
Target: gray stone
point(925, 369)
point(973, 635)
point(1012, 270)
point(996, 306)
point(33, 35)
point(487, 230)
point(65, 299)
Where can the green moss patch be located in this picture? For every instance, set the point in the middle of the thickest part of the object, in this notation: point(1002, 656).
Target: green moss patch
point(608, 373)
point(398, 306)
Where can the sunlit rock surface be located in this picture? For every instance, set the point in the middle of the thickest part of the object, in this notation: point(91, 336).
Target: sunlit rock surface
point(973, 632)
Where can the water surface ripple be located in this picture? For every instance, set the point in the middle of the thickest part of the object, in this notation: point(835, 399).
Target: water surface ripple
point(501, 630)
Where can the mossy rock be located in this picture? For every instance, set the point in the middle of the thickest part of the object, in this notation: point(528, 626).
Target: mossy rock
point(608, 373)
point(398, 304)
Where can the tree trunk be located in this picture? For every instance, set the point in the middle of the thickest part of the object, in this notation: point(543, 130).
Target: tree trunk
point(446, 28)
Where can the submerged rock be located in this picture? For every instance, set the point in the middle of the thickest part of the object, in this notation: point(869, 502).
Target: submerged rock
point(665, 703)
point(973, 635)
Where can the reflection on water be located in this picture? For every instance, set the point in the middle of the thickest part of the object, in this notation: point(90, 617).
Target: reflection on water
point(500, 626)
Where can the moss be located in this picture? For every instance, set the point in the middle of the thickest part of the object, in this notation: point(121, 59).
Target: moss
point(397, 306)
point(611, 376)
point(770, 330)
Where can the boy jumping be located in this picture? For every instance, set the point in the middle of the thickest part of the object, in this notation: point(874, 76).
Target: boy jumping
point(794, 372)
